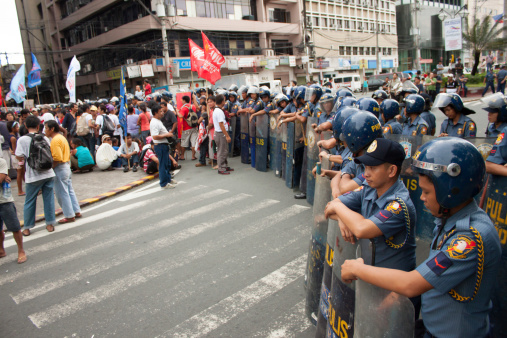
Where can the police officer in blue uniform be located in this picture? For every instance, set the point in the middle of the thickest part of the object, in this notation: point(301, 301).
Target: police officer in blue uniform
point(415, 125)
point(389, 109)
point(358, 132)
point(427, 115)
point(456, 280)
point(497, 113)
point(326, 114)
point(379, 96)
point(368, 104)
point(495, 164)
point(457, 124)
point(233, 107)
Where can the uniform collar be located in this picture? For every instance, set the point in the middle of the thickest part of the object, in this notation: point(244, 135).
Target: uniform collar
point(389, 195)
point(451, 221)
point(461, 120)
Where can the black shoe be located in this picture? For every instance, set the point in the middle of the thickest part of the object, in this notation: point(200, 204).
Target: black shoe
point(229, 169)
point(125, 169)
point(134, 168)
point(300, 196)
point(223, 173)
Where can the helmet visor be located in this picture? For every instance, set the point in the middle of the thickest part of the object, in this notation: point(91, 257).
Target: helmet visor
point(337, 105)
point(241, 89)
point(442, 100)
point(308, 94)
point(409, 85)
point(497, 100)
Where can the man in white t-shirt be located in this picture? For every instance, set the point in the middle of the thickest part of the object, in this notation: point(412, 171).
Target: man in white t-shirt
point(35, 181)
point(222, 138)
point(160, 134)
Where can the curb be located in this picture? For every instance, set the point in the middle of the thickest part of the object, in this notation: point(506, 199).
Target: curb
point(101, 197)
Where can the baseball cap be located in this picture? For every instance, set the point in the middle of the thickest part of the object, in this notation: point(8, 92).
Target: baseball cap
point(93, 108)
point(105, 137)
point(382, 151)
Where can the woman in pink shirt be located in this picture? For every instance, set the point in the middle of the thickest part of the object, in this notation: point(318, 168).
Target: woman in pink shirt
point(144, 122)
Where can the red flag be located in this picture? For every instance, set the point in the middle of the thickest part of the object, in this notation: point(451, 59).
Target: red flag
point(196, 57)
point(211, 52)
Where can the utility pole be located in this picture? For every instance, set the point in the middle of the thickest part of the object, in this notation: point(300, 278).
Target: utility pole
point(417, 49)
point(161, 13)
point(377, 31)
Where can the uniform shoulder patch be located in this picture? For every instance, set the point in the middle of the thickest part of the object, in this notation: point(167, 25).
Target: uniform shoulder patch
point(439, 263)
point(361, 178)
point(383, 215)
point(424, 131)
point(387, 130)
point(414, 133)
point(472, 126)
point(499, 138)
point(394, 207)
point(460, 247)
point(360, 188)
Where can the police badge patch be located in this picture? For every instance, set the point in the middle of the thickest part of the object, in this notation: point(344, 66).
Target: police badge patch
point(394, 207)
point(407, 146)
point(372, 147)
point(460, 247)
point(499, 138)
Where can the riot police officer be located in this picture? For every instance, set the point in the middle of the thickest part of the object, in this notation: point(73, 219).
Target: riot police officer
point(368, 104)
point(326, 113)
point(427, 115)
point(233, 106)
point(497, 114)
point(457, 124)
point(389, 109)
point(497, 108)
point(415, 125)
point(379, 95)
point(457, 278)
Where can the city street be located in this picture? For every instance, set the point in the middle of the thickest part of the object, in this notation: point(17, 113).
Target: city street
point(217, 256)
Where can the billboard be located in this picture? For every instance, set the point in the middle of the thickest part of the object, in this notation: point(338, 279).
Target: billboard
point(452, 34)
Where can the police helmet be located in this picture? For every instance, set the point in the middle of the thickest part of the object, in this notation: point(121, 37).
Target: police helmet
point(242, 89)
point(328, 90)
point(264, 92)
point(166, 95)
point(496, 103)
point(359, 130)
point(379, 94)
point(368, 104)
point(299, 93)
point(221, 92)
point(455, 167)
point(414, 104)
point(252, 90)
point(409, 91)
point(273, 95)
point(280, 98)
point(340, 118)
point(114, 99)
point(233, 88)
point(201, 90)
point(344, 92)
point(326, 98)
point(328, 84)
point(314, 89)
point(451, 99)
point(232, 93)
point(347, 101)
point(390, 108)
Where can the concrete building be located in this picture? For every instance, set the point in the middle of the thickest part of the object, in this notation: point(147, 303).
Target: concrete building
point(107, 34)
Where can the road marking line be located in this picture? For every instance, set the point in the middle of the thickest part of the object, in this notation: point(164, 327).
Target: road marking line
point(288, 325)
point(115, 240)
point(83, 221)
point(228, 308)
point(49, 285)
point(115, 287)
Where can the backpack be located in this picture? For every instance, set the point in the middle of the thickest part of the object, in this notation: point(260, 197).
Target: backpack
point(108, 126)
point(192, 118)
point(82, 128)
point(39, 155)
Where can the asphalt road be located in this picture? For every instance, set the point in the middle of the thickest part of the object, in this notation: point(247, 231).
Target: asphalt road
point(217, 256)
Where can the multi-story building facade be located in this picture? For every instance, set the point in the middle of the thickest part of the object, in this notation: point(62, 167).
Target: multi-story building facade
point(107, 34)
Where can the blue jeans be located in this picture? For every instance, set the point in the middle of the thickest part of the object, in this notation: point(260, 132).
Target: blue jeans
point(144, 135)
point(488, 85)
point(32, 189)
point(64, 191)
point(133, 160)
point(164, 166)
point(500, 87)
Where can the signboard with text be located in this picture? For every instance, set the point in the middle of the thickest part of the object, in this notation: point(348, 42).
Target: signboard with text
point(452, 34)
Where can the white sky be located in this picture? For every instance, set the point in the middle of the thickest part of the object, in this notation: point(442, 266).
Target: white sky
point(10, 38)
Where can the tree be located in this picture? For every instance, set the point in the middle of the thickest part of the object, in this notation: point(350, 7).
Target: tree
point(482, 36)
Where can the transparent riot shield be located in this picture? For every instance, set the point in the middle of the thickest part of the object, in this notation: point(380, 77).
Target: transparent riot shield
point(343, 296)
point(283, 158)
point(381, 313)
point(232, 134)
point(484, 145)
point(262, 142)
point(274, 151)
point(245, 145)
point(495, 205)
point(312, 156)
point(289, 158)
point(252, 133)
point(317, 248)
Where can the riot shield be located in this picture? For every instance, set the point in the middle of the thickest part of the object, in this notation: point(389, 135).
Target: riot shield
point(496, 198)
point(289, 158)
point(274, 151)
point(245, 146)
point(317, 248)
point(283, 157)
point(252, 133)
point(342, 296)
point(232, 135)
point(325, 291)
point(261, 142)
point(484, 145)
point(312, 156)
point(382, 313)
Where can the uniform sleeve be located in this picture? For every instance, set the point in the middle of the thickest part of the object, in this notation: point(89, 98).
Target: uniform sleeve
point(455, 262)
point(352, 199)
point(287, 110)
point(471, 129)
point(257, 106)
point(349, 167)
point(498, 153)
point(330, 117)
point(392, 219)
point(387, 130)
point(359, 179)
point(269, 107)
point(306, 111)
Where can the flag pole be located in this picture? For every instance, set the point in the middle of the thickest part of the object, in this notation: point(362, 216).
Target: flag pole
point(192, 74)
point(38, 98)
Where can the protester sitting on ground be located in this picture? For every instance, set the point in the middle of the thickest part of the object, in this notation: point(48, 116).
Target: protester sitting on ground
point(9, 216)
point(129, 153)
point(106, 154)
point(81, 159)
point(36, 180)
point(64, 191)
point(150, 160)
point(13, 128)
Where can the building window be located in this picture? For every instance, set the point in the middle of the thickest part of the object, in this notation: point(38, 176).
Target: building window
point(349, 50)
point(282, 47)
point(367, 51)
point(279, 15)
point(361, 50)
point(342, 50)
point(354, 51)
point(315, 21)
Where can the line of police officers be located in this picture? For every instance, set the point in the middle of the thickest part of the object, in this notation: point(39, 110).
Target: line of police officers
point(372, 205)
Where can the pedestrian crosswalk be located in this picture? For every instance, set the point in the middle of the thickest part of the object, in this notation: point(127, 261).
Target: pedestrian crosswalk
point(200, 261)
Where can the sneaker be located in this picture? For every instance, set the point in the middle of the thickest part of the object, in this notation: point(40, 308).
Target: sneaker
point(174, 182)
point(125, 169)
point(134, 168)
point(223, 172)
point(169, 186)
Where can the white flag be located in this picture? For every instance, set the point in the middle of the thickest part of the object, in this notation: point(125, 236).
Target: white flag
point(74, 67)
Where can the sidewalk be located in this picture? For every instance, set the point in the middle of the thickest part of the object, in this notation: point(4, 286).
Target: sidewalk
point(89, 187)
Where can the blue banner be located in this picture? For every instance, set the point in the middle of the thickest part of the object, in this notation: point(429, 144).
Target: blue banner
point(34, 75)
point(18, 89)
point(123, 104)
